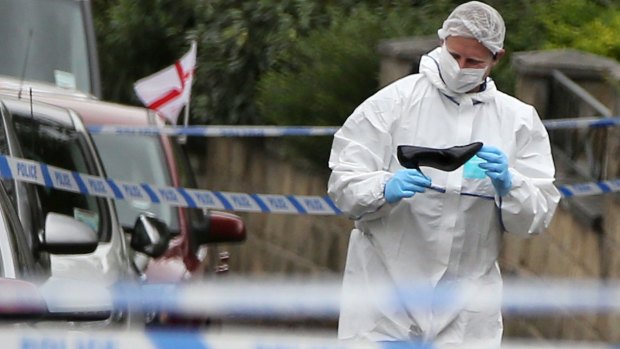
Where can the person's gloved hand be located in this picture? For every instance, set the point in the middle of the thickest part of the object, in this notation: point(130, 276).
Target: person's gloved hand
point(496, 167)
point(404, 184)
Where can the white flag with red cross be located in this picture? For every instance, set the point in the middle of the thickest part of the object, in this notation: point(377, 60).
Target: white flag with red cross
point(168, 90)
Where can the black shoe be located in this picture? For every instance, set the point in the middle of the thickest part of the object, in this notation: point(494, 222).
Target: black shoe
point(448, 159)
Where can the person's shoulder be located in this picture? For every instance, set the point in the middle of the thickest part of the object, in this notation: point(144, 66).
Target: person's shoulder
point(524, 114)
point(408, 81)
point(403, 87)
point(517, 108)
point(389, 98)
point(508, 101)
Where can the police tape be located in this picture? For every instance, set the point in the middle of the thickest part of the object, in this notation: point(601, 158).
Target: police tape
point(279, 298)
point(175, 339)
point(320, 298)
point(273, 297)
point(576, 123)
point(216, 131)
point(62, 179)
point(172, 339)
point(589, 189)
point(283, 131)
point(301, 298)
point(57, 178)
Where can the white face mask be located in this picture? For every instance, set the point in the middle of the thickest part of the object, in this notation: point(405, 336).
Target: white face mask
point(456, 79)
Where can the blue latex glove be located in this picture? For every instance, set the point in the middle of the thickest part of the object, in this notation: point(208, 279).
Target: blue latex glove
point(496, 167)
point(404, 184)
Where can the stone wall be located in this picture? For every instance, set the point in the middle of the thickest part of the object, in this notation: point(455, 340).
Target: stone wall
point(576, 247)
point(277, 243)
point(568, 250)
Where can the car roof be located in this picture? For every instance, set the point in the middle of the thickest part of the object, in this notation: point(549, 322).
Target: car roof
point(97, 112)
point(12, 85)
point(91, 110)
point(40, 111)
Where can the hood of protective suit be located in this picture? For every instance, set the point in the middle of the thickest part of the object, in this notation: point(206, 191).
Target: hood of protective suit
point(429, 66)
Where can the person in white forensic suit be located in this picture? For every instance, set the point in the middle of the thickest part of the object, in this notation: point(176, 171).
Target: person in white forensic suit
point(408, 235)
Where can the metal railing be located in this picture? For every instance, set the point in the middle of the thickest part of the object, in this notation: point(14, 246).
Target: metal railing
point(583, 151)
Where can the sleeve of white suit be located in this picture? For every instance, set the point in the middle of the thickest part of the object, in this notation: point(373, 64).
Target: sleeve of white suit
point(359, 160)
point(530, 204)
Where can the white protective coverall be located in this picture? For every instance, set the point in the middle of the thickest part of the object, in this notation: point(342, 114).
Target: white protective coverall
point(436, 239)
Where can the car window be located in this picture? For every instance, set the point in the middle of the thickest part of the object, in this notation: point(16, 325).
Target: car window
point(22, 195)
point(7, 263)
point(196, 216)
point(16, 259)
point(52, 34)
point(65, 148)
point(142, 161)
point(4, 149)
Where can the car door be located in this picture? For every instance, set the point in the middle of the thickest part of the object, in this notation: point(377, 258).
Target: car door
point(16, 258)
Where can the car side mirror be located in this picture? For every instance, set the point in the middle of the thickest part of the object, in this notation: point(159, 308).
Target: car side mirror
point(66, 235)
point(150, 236)
point(222, 227)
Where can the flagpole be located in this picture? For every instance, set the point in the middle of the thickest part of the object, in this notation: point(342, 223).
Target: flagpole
point(183, 138)
point(186, 121)
point(189, 100)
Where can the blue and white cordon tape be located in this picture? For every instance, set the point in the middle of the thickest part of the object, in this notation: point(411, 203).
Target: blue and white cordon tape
point(303, 297)
point(176, 339)
point(282, 131)
point(573, 123)
point(217, 131)
point(54, 177)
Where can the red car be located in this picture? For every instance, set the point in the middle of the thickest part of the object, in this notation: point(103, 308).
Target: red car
point(160, 161)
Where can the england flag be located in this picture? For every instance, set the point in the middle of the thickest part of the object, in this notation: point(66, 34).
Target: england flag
point(168, 90)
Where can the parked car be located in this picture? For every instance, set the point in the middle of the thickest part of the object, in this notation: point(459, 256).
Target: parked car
point(56, 136)
point(160, 161)
point(157, 160)
point(22, 278)
point(50, 41)
point(16, 259)
point(52, 44)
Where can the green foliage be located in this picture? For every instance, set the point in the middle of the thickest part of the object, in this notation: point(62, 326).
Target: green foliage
point(238, 42)
point(137, 38)
point(325, 75)
point(583, 25)
point(303, 62)
point(524, 32)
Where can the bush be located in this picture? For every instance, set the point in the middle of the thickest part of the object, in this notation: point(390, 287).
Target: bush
point(335, 68)
point(133, 45)
point(583, 25)
point(310, 61)
point(332, 70)
point(238, 42)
